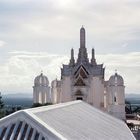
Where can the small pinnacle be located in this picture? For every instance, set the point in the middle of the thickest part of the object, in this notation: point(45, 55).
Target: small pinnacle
point(41, 72)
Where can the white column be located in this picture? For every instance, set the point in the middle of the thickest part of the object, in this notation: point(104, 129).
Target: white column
point(43, 97)
point(37, 94)
point(46, 97)
point(35, 97)
point(40, 97)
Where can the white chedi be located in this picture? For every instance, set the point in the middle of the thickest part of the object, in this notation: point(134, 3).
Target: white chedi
point(116, 96)
point(41, 90)
point(116, 80)
point(41, 80)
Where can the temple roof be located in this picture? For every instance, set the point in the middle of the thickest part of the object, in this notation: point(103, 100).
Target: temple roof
point(92, 67)
point(74, 120)
point(95, 70)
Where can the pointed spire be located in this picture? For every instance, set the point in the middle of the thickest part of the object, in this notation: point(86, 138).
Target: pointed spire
point(72, 53)
point(116, 72)
point(82, 56)
point(82, 37)
point(41, 72)
point(93, 53)
point(93, 60)
point(72, 61)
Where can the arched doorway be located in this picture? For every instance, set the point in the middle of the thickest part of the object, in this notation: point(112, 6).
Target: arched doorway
point(79, 95)
point(79, 98)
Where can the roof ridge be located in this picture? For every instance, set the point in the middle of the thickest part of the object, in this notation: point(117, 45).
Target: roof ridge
point(50, 107)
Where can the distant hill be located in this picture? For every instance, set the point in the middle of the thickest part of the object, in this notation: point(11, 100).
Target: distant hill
point(26, 99)
point(18, 95)
point(29, 95)
point(132, 95)
point(18, 99)
point(134, 99)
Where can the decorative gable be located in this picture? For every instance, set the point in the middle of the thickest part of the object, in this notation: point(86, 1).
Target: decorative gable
point(82, 72)
point(79, 82)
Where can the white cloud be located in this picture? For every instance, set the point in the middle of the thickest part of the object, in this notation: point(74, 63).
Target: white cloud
point(18, 73)
point(128, 65)
point(2, 43)
point(125, 45)
point(51, 26)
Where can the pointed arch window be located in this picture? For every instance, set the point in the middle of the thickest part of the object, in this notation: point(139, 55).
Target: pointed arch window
point(115, 100)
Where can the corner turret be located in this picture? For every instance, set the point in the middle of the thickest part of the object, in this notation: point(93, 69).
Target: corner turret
point(93, 60)
point(72, 60)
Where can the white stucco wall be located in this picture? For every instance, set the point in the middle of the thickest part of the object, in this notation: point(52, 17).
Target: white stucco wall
point(66, 89)
point(117, 108)
point(97, 92)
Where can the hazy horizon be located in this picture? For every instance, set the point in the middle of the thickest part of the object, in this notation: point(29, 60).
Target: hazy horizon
point(31, 94)
point(38, 35)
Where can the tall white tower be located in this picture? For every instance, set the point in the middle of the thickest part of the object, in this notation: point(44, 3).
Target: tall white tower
point(116, 96)
point(41, 90)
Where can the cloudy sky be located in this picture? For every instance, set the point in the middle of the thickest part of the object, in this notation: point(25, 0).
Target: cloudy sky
point(37, 35)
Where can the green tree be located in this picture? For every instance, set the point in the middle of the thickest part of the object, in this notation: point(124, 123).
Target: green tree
point(38, 104)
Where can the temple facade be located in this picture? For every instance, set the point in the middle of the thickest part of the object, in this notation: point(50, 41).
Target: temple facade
point(83, 79)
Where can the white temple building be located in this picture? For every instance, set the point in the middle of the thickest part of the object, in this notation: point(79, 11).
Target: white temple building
point(82, 79)
point(41, 90)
